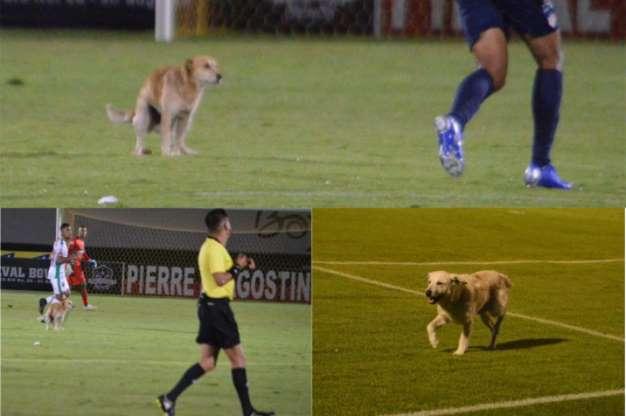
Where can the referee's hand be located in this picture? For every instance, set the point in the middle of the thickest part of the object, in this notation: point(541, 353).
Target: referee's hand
point(251, 263)
point(243, 262)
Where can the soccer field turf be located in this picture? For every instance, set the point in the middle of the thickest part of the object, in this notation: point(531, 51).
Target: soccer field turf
point(298, 122)
point(116, 360)
point(371, 355)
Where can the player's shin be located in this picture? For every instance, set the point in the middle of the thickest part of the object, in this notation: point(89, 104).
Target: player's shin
point(474, 89)
point(191, 375)
point(547, 93)
point(84, 295)
point(240, 381)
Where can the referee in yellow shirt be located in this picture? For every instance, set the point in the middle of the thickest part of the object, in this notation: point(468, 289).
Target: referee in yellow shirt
point(218, 328)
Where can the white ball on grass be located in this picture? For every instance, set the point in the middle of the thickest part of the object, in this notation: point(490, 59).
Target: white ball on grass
point(108, 200)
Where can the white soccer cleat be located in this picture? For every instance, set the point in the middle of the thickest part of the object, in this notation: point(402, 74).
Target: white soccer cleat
point(89, 307)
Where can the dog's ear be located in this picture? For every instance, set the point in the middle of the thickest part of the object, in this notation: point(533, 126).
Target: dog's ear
point(457, 281)
point(189, 65)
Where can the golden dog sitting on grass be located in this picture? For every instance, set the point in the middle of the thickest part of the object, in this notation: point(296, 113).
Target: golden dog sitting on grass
point(56, 312)
point(167, 102)
point(460, 297)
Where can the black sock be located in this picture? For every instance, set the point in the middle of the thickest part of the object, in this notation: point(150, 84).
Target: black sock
point(241, 385)
point(191, 375)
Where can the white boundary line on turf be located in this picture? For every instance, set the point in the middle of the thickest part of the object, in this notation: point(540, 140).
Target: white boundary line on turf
point(516, 315)
point(472, 262)
point(514, 403)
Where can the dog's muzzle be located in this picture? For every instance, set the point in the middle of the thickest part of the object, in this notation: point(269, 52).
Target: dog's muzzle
point(431, 299)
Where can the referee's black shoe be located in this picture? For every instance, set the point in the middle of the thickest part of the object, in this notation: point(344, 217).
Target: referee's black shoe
point(166, 405)
point(260, 413)
point(42, 305)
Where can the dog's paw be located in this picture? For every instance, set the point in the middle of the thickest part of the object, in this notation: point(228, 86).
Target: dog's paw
point(142, 152)
point(458, 352)
point(434, 343)
point(188, 151)
point(170, 152)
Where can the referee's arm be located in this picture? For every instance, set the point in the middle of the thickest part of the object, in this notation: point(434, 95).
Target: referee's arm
point(221, 278)
point(242, 262)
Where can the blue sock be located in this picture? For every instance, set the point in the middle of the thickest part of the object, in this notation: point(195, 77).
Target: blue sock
point(547, 93)
point(474, 89)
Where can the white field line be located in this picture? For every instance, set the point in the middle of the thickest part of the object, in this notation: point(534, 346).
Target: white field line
point(469, 262)
point(514, 403)
point(516, 315)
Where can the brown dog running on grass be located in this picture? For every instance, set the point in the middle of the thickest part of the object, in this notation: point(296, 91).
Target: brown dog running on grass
point(460, 297)
point(167, 102)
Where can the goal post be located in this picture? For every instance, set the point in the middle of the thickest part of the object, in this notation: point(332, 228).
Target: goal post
point(164, 20)
point(174, 18)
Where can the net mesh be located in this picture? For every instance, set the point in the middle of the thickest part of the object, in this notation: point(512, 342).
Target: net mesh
point(154, 251)
point(381, 18)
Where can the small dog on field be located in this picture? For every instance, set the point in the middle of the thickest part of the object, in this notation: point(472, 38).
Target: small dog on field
point(56, 312)
point(167, 102)
point(460, 297)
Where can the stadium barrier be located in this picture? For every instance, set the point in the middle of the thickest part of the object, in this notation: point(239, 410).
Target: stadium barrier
point(380, 18)
point(154, 253)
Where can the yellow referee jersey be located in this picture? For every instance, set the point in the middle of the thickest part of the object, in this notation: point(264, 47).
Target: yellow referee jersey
point(213, 258)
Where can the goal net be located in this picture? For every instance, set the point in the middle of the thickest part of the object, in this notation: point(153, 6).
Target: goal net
point(153, 252)
point(375, 18)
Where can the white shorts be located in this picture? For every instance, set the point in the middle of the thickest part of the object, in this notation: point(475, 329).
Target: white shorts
point(57, 280)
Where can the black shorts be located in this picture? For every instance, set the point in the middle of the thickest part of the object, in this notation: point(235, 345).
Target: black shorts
point(534, 18)
point(217, 323)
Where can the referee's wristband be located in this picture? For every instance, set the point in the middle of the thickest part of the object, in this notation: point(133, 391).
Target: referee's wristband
point(234, 271)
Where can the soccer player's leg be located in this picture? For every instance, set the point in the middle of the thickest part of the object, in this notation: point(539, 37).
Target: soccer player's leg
point(485, 33)
point(546, 104)
point(537, 23)
point(207, 362)
point(56, 292)
point(209, 343)
point(240, 380)
point(78, 280)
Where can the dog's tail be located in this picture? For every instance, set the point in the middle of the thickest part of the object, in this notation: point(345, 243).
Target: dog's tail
point(119, 116)
point(506, 280)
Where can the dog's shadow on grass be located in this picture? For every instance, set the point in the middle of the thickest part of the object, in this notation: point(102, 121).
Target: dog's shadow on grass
point(518, 344)
point(524, 343)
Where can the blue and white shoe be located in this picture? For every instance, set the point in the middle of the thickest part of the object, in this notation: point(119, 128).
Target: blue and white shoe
point(450, 145)
point(546, 177)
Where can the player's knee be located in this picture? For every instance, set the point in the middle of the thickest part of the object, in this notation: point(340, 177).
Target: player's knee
point(207, 363)
point(550, 59)
point(238, 362)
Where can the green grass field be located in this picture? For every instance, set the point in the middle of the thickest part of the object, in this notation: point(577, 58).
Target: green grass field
point(371, 355)
point(115, 360)
point(297, 122)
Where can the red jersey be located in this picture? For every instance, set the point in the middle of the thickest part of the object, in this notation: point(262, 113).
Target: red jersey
point(78, 244)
